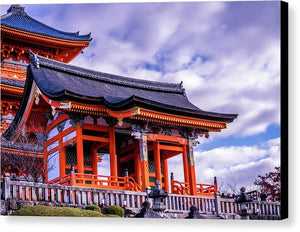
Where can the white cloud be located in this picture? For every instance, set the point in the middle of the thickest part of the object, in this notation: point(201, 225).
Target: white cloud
point(227, 57)
point(238, 165)
point(227, 54)
point(233, 166)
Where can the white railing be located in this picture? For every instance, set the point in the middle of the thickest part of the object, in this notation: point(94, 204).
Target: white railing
point(81, 196)
point(69, 195)
point(176, 203)
point(256, 207)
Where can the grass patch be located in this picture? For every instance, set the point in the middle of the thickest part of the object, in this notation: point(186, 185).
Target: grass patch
point(41, 210)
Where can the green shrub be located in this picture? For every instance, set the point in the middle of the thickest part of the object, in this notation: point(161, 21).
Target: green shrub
point(116, 210)
point(40, 210)
point(93, 208)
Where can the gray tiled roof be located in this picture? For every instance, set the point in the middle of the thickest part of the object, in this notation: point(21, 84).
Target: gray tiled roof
point(12, 82)
point(64, 82)
point(60, 81)
point(21, 146)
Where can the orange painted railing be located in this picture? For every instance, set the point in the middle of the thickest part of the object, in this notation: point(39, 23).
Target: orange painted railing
point(64, 180)
point(180, 187)
point(97, 181)
point(184, 189)
point(206, 189)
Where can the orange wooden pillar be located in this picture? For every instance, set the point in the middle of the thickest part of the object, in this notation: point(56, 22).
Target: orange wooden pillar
point(62, 155)
point(191, 167)
point(46, 160)
point(166, 174)
point(137, 166)
point(94, 159)
point(144, 161)
point(112, 152)
point(157, 162)
point(185, 164)
point(79, 147)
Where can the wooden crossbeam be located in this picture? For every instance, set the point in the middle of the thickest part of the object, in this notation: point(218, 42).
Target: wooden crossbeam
point(170, 148)
point(95, 138)
point(95, 127)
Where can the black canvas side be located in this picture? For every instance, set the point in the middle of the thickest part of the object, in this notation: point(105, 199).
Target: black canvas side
point(284, 109)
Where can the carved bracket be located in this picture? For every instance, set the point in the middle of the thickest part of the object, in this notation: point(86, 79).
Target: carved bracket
point(111, 121)
point(61, 126)
point(74, 118)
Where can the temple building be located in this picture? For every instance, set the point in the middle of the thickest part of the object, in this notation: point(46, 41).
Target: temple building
point(79, 116)
point(140, 124)
point(19, 33)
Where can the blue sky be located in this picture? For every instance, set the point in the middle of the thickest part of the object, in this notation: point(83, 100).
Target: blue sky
point(226, 53)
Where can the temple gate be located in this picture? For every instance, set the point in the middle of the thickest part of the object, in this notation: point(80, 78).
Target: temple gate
point(139, 124)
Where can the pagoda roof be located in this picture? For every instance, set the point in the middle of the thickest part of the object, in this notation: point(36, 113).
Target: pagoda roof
point(20, 147)
point(12, 82)
point(17, 18)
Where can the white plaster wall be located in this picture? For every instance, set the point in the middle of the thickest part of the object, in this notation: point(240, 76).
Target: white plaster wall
point(52, 145)
point(52, 133)
point(53, 165)
point(88, 119)
point(101, 122)
point(68, 124)
point(69, 136)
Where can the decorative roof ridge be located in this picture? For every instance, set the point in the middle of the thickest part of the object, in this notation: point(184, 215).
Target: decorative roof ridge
point(19, 10)
point(107, 77)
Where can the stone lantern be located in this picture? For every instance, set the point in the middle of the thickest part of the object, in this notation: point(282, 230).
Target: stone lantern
point(158, 196)
point(242, 199)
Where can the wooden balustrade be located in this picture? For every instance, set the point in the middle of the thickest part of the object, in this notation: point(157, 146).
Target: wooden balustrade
point(184, 189)
point(97, 181)
point(206, 189)
point(180, 187)
point(64, 180)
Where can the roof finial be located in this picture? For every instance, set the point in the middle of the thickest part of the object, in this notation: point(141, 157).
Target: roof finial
point(16, 9)
point(181, 87)
point(33, 59)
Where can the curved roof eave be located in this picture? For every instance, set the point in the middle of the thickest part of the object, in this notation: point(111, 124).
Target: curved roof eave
point(68, 82)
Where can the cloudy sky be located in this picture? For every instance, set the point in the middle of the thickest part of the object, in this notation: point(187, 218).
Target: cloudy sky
point(226, 53)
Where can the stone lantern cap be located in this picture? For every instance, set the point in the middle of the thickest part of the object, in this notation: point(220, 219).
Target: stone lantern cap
point(243, 197)
point(158, 192)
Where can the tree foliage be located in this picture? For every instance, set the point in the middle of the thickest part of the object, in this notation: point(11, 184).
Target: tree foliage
point(270, 184)
point(26, 158)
